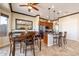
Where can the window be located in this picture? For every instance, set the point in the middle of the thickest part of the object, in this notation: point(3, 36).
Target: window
point(3, 25)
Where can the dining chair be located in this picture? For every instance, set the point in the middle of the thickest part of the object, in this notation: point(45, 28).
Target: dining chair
point(30, 41)
point(22, 37)
point(60, 39)
point(11, 42)
point(38, 40)
point(11, 38)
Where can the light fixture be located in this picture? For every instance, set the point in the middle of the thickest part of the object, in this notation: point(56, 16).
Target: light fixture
point(52, 7)
point(49, 21)
point(47, 16)
point(29, 8)
point(54, 15)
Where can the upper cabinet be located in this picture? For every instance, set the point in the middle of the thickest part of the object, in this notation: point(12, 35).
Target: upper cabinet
point(46, 24)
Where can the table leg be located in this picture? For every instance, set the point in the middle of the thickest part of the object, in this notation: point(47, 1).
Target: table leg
point(13, 51)
point(40, 44)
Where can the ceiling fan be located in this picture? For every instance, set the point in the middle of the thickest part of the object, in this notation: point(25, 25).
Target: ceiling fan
point(31, 6)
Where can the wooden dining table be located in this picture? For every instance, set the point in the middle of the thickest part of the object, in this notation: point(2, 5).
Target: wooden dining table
point(17, 39)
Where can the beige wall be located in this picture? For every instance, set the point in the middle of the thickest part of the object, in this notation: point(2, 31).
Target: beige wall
point(70, 24)
point(4, 40)
point(36, 24)
point(24, 17)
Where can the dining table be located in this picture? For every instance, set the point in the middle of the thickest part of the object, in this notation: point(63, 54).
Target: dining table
point(16, 38)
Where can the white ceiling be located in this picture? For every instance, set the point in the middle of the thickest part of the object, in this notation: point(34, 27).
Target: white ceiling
point(65, 8)
point(5, 6)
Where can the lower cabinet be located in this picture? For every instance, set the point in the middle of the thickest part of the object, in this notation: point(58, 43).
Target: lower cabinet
point(48, 39)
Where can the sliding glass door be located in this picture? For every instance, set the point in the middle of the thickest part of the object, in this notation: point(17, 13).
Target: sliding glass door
point(3, 26)
point(3, 29)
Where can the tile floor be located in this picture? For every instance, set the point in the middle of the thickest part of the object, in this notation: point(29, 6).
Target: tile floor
point(71, 49)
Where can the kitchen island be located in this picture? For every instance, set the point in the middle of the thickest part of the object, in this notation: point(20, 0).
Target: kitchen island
point(48, 38)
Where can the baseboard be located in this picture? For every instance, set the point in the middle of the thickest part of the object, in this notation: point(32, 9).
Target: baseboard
point(4, 45)
point(73, 40)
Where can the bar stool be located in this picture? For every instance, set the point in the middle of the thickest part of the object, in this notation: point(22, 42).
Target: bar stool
point(55, 39)
point(64, 38)
point(60, 39)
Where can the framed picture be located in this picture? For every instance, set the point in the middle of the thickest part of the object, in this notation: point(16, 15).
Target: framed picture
point(23, 24)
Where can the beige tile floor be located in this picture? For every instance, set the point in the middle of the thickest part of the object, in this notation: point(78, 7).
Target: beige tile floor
point(71, 49)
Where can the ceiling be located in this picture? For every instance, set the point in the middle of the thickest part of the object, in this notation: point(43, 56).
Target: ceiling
point(5, 6)
point(62, 8)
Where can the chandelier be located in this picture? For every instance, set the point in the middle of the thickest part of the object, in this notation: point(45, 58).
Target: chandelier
point(54, 13)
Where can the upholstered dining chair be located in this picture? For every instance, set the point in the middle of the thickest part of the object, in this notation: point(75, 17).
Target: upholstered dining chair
point(11, 42)
point(37, 41)
point(30, 41)
point(11, 38)
point(22, 37)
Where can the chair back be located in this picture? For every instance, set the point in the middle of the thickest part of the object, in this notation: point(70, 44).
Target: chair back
point(60, 39)
point(60, 35)
point(10, 37)
point(64, 38)
point(22, 36)
point(65, 35)
point(30, 38)
point(30, 35)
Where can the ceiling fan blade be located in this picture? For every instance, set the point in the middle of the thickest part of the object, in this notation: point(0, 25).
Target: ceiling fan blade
point(35, 8)
point(23, 5)
point(35, 3)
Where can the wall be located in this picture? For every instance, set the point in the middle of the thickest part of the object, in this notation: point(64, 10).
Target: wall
point(24, 17)
point(36, 24)
point(70, 24)
point(4, 40)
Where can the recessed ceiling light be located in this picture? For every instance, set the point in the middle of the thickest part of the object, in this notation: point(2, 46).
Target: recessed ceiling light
point(52, 7)
point(60, 11)
point(47, 16)
point(66, 12)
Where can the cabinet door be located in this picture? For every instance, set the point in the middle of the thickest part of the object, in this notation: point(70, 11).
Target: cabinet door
point(45, 38)
point(50, 39)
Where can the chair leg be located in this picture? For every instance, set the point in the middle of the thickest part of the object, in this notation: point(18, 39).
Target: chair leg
point(65, 41)
point(10, 50)
point(33, 50)
point(25, 50)
point(20, 46)
point(40, 44)
point(59, 43)
point(55, 41)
